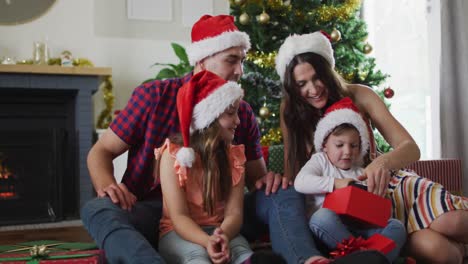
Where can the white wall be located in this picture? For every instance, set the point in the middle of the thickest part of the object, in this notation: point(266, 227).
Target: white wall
point(72, 25)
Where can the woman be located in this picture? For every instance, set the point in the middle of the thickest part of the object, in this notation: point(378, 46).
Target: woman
point(305, 65)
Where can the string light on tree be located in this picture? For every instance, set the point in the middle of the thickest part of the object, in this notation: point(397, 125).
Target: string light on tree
point(335, 35)
point(263, 18)
point(244, 19)
point(367, 48)
point(388, 92)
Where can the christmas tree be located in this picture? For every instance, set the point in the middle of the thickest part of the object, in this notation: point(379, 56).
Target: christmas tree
point(269, 22)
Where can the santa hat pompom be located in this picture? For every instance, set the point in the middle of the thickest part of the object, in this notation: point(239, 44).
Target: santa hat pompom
point(295, 44)
point(185, 157)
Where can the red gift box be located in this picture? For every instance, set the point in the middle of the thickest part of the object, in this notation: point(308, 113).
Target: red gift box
point(380, 243)
point(360, 205)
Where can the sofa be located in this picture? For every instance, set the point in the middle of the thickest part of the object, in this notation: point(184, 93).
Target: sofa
point(447, 172)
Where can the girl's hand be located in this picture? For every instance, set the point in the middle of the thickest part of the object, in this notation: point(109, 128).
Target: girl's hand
point(218, 247)
point(378, 177)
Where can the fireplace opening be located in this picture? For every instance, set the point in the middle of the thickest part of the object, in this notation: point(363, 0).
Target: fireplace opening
point(38, 156)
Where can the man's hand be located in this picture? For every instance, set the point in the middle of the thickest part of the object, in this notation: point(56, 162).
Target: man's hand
point(119, 194)
point(377, 177)
point(272, 182)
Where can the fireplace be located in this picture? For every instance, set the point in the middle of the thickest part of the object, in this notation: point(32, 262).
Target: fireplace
point(46, 131)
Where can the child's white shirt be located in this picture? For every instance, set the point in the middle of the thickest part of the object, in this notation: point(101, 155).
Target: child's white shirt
point(318, 176)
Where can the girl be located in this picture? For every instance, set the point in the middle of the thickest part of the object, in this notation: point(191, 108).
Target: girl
point(203, 181)
point(342, 140)
point(305, 65)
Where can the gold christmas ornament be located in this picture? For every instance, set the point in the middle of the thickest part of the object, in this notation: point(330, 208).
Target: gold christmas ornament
point(335, 35)
point(244, 19)
point(367, 48)
point(264, 112)
point(239, 2)
point(263, 18)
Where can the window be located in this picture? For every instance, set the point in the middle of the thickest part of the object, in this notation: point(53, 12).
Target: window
point(399, 33)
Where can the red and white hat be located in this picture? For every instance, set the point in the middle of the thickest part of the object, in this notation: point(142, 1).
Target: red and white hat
point(212, 34)
point(343, 111)
point(199, 102)
point(293, 45)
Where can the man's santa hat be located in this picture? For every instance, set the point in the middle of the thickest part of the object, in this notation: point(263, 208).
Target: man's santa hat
point(212, 34)
point(343, 111)
point(293, 45)
point(199, 102)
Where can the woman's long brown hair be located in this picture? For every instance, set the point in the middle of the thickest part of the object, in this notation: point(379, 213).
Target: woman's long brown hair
point(214, 155)
point(299, 116)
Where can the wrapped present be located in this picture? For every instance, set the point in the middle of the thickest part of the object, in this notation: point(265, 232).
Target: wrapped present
point(275, 159)
point(363, 206)
point(380, 243)
point(51, 251)
point(274, 156)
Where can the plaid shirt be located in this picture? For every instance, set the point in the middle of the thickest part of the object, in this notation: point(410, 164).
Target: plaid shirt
point(151, 116)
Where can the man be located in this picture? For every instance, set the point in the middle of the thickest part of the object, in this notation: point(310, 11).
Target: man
point(124, 218)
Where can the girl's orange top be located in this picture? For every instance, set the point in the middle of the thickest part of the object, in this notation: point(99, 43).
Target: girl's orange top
point(190, 181)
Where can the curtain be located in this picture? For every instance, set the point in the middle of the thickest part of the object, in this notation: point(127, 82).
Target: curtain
point(454, 83)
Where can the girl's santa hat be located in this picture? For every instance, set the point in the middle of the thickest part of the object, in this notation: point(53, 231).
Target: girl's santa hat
point(343, 111)
point(212, 34)
point(199, 102)
point(293, 45)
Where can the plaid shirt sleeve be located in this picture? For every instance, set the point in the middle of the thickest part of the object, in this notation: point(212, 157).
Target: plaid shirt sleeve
point(248, 133)
point(129, 125)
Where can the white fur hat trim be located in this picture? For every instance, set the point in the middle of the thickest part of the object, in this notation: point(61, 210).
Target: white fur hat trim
point(297, 44)
point(209, 46)
point(338, 117)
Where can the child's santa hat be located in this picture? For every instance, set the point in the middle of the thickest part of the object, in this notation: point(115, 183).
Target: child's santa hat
point(212, 34)
point(293, 45)
point(199, 102)
point(343, 111)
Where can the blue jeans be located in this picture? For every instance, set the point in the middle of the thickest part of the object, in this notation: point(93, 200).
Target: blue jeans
point(177, 250)
point(284, 213)
point(332, 229)
point(126, 237)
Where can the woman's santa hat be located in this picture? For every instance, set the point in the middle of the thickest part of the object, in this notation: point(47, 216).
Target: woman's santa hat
point(343, 111)
point(212, 34)
point(199, 102)
point(293, 45)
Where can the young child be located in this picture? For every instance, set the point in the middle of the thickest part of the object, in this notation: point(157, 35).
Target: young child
point(341, 139)
point(203, 181)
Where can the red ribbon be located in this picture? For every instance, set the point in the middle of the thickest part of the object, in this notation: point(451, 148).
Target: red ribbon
point(348, 246)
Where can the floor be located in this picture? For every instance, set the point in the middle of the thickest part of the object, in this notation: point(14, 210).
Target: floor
point(66, 234)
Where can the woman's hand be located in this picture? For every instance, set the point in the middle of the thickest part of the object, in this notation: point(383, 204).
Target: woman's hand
point(272, 182)
point(119, 194)
point(378, 177)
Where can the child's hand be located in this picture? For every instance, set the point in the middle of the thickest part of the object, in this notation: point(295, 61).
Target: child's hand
point(218, 247)
point(342, 183)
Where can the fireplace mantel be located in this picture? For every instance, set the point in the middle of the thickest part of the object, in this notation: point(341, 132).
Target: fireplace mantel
point(84, 81)
point(46, 69)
